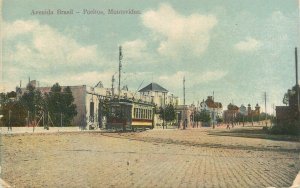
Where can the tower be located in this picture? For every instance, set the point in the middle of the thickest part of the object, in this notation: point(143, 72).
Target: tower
point(257, 109)
point(249, 109)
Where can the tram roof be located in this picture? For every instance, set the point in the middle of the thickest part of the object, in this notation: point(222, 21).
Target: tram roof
point(153, 87)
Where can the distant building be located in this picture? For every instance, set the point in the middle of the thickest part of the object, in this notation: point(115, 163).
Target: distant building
point(159, 96)
point(185, 115)
point(231, 113)
point(243, 110)
point(255, 112)
point(214, 108)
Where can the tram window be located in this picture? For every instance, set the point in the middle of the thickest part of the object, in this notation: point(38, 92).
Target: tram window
point(148, 114)
point(139, 113)
point(142, 114)
point(135, 113)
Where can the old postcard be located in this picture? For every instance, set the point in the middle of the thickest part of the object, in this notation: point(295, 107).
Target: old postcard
point(129, 93)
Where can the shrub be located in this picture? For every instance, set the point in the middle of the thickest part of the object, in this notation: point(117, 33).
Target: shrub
point(286, 128)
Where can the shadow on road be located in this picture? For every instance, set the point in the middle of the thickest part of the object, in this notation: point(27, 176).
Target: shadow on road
point(254, 133)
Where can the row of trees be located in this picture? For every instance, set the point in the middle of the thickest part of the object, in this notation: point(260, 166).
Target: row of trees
point(255, 118)
point(168, 114)
point(57, 105)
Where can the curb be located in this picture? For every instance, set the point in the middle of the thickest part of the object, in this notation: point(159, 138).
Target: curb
point(296, 183)
point(3, 184)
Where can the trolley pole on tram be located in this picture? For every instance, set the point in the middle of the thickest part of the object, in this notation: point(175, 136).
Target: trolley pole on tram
point(120, 68)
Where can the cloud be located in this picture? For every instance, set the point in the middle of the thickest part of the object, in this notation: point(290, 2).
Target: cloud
point(134, 49)
point(176, 80)
point(177, 33)
point(211, 76)
point(43, 46)
point(90, 78)
point(250, 44)
point(42, 52)
point(19, 27)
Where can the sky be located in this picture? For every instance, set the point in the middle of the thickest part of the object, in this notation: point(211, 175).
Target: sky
point(235, 49)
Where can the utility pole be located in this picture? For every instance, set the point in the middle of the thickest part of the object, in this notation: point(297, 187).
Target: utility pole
point(184, 110)
point(183, 90)
point(213, 118)
point(60, 119)
point(112, 86)
point(28, 118)
point(164, 108)
point(297, 84)
point(44, 119)
point(120, 68)
point(265, 105)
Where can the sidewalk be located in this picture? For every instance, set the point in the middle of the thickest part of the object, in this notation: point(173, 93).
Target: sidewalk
point(296, 183)
point(20, 130)
point(3, 184)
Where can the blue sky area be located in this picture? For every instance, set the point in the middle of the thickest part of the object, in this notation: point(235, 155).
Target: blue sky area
point(238, 49)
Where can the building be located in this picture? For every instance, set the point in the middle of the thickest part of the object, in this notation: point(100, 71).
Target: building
point(89, 102)
point(160, 97)
point(291, 111)
point(292, 99)
point(214, 108)
point(253, 113)
point(231, 113)
point(185, 115)
point(243, 110)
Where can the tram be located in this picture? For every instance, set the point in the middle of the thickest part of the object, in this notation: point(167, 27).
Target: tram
point(126, 114)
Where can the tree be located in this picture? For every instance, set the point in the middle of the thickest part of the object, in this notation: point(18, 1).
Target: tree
point(285, 99)
point(69, 108)
point(32, 101)
point(197, 117)
point(219, 119)
point(60, 105)
point(168, 113)
point(204, 116)
point(14, 113)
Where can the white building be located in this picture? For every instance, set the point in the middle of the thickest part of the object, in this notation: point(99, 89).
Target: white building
point(159, 96)
point(243, 110)
point(215, 109)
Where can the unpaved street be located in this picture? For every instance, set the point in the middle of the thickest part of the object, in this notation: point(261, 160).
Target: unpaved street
point(156, 158)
